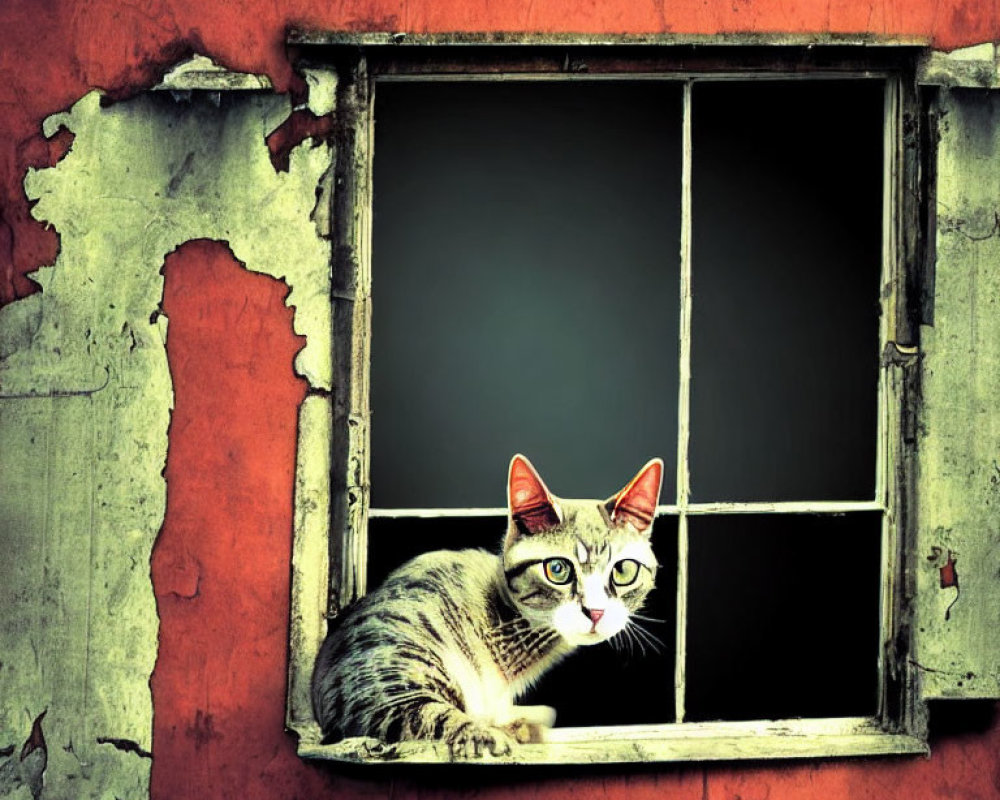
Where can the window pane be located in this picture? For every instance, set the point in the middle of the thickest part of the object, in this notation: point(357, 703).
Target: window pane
point(525, 287)
point(629, 683)
point(786, 253)
point(393, 542)
point(783, 616)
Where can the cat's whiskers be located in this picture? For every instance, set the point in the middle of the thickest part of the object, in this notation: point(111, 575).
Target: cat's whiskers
point(648, 619)
point(642, 636)
point(621, 640)
point(635, 641)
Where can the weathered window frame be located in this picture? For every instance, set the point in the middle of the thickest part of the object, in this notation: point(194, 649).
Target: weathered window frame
point(332, 490)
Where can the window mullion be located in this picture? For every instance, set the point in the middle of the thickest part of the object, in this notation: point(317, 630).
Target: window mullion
point(683, 412)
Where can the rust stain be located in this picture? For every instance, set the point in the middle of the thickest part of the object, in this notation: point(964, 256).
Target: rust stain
point(202, 731)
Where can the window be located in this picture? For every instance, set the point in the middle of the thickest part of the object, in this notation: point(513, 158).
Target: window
point(596, 257)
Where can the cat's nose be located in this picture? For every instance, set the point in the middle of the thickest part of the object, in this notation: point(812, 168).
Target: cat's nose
point(595, 614)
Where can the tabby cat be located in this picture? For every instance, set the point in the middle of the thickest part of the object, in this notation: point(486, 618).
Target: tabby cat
point(443, 648)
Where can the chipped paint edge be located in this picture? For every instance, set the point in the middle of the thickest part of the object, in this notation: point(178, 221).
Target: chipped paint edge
point(202, 73)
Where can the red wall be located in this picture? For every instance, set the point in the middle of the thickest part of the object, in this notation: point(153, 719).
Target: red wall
point(221, 564)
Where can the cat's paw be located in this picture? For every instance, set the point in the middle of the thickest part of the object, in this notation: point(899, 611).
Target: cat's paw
point(475, 741)
point(525, 732)
point(531, 723)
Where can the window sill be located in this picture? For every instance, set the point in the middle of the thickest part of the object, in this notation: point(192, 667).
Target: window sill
point(711, 741)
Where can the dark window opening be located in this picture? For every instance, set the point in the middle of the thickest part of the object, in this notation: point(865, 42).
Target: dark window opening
point(786, 260)
point(525, 287)
point(526, 284)
point(783, 616)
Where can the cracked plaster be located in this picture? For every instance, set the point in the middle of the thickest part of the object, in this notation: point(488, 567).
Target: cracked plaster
point(85, 396)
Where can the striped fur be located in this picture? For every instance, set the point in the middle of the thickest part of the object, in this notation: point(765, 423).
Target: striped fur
point(449, 641)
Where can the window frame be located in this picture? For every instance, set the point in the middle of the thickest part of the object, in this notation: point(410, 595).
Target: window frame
point(332, 491)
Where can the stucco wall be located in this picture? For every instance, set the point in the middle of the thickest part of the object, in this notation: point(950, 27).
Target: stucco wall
point(959, 486)
point(153, 386)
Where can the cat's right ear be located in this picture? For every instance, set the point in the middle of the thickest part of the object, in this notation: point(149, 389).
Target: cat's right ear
point(635, 505)
point(531, 505)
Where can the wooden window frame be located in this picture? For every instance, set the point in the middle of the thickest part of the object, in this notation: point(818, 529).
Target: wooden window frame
point(332, 489)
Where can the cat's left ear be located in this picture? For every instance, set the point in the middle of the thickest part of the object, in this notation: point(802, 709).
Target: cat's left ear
point(531, 504)
point(636, 503)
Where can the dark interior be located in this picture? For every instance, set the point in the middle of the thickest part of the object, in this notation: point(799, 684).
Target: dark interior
point(525, 284)
point(782, 616)
point(526, 299)
point(786, 253)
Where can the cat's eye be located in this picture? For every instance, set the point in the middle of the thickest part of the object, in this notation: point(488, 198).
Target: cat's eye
point(558, 570)
point(625, 572)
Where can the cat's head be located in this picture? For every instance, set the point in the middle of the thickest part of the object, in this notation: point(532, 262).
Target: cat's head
point(579, 566)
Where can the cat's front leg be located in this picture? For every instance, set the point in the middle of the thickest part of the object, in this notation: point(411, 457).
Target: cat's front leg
point(530, 723)
point(465, 736)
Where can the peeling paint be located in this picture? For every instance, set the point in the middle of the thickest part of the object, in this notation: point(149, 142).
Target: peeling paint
point(948, 574)
point(958, 439)
point(239, 199)
point(322, 85)
point(25, 771)
point(201, 73)
point(125, 745)
point(86, 396)
point(300, 126)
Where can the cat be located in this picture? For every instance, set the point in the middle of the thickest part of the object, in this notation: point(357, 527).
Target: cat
point(452, 638)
